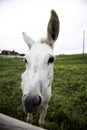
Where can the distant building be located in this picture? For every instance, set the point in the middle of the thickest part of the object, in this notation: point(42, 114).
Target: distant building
point(8, 52)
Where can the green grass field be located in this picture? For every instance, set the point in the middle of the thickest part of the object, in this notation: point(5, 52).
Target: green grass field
point(68, 106)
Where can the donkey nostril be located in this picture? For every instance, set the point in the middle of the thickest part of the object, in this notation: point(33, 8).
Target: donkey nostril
point(24, 95)
point(36, 101)
point(39, 101)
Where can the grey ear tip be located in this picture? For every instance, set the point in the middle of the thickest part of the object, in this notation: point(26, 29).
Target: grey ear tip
point(53, 13)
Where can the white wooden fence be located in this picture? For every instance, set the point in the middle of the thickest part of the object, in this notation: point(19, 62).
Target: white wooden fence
point(9, 123)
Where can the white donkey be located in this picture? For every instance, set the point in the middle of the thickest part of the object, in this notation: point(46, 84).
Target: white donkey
point(38, 76)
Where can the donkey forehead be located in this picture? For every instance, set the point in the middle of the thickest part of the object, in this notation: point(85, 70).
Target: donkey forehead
point(40, 51)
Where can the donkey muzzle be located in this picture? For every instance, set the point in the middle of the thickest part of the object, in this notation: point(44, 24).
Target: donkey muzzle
point(31, 103)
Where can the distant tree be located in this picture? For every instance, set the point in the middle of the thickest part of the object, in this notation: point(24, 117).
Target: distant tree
point(14, 53)
point(22, 54)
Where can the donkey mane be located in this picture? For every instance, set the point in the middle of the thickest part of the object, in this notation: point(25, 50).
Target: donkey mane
point(43, 40)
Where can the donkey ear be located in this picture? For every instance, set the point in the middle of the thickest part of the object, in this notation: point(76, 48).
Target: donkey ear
point(53, 28)
point(28, 40)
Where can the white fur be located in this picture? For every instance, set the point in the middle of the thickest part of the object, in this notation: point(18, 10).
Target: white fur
point(37, 69)
point(38, 75)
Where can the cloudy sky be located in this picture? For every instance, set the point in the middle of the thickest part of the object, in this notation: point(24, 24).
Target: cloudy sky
point(32, 16)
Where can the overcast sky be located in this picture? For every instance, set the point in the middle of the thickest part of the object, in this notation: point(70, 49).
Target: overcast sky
point(32, 16)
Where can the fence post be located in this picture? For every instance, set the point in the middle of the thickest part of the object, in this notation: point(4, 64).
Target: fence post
point(9, 123)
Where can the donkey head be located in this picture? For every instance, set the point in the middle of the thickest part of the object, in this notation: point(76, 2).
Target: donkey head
point(37, 78)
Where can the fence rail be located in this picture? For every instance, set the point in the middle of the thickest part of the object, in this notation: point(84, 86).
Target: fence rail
point(9, 123)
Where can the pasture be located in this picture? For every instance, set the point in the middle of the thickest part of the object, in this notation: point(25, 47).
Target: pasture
point(68, 106)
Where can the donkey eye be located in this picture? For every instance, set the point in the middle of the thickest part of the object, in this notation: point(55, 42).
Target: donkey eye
point(25, 61)
point(51, 60)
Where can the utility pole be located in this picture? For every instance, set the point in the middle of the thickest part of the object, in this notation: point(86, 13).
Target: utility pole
point(83, 41)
